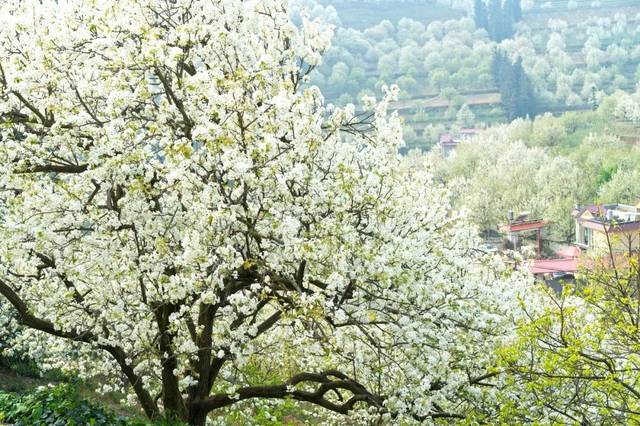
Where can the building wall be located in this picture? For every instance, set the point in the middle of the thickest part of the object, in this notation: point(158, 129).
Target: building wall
point(620, 242)
point(595, 241)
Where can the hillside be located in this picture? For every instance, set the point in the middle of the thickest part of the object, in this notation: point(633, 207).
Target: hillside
point(442, 62)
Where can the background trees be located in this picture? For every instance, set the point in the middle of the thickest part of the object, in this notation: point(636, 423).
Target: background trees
point(545, 165)
point(623, 187)
point(568, 61)
point(516, 90)
point(500, 174)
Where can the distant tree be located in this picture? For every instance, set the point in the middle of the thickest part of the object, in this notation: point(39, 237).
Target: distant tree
point(497, 66)
point(495, 19)
point(619, 82)
point(500, 18)
point(547, 131)
point(433, 58)
point(408, 29)
point(623, 187)
point(383, 30)
point(432, 132)
point(408, 86)
point(541, 70)
point(522, 91)
point(617, 54)
point(408, 61)
point(469, 77)
point(410, 136)
point(435, 30)
point(317, 78)
point(593, 98)
point(514, 85)
point(573, 99)
point(357, 79)
point(555, 43)
point(439, 78)
point(514, 9)
point(365, 92)
point(339, 76)
point(388, 66)
point(353, 40)
point(451, 113)
point(480, 14)
point(457, 101)
point(627, 108)
point(388, 46)
point(465, 117)
point(449, 93)
point(345, 99)
point(373, 54)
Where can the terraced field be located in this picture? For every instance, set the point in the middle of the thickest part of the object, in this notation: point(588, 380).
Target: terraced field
point(423, 106)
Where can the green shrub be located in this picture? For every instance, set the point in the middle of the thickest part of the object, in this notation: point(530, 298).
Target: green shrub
point(62, 406)
point(56, 406)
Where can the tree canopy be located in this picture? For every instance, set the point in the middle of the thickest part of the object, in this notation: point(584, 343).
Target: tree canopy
point(195, 226)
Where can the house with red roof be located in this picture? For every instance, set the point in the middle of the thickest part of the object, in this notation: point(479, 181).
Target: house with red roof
point(524, 224)
point(604, 227)
point(605, 234)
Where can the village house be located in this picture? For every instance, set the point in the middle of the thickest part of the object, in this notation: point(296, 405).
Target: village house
point(523, 224)
point(449, 141)
point(600, 227)
point(604, 233)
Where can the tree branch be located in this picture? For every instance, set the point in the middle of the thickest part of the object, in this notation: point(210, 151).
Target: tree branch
point(46, 121)
point(31, 321)
point(56, 168)
point(287, 390)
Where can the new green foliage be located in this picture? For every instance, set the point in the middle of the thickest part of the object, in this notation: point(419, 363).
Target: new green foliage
point(576, 360)
point(58, 405)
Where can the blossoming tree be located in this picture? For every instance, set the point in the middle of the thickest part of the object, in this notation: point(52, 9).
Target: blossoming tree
point(179, 212)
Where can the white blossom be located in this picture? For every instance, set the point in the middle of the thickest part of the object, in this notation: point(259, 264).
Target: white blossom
point(176, 207)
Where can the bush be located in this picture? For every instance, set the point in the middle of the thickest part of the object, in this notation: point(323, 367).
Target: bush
point(59, 405)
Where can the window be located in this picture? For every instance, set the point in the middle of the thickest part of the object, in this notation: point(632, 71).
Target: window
point(587, 236)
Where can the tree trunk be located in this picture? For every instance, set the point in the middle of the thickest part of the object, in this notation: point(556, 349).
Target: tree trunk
point(197, 417)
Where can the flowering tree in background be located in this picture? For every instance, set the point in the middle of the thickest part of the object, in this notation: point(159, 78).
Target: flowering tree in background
point(181, 213)
point(624, 187)
point(500, 173)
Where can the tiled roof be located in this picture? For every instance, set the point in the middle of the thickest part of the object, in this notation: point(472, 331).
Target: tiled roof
point(550, 266)
point(569, 252)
